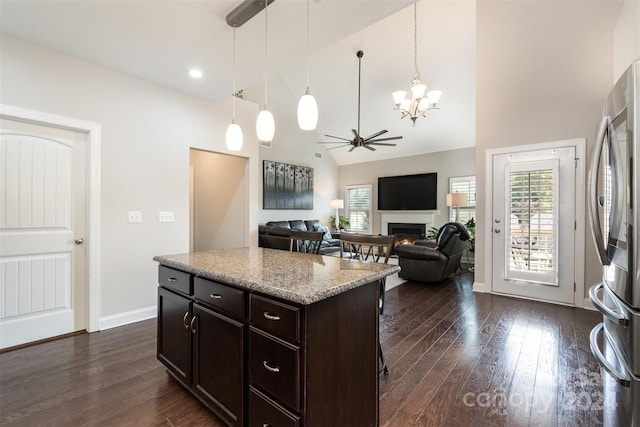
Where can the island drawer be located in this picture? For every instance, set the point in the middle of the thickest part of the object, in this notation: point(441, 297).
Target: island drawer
point(265, 412)
point(274, 366)
point(277, 318)
point(226, 299)
point(176, 280)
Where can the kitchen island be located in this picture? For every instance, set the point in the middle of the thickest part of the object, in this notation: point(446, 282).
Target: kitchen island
point(269, 337)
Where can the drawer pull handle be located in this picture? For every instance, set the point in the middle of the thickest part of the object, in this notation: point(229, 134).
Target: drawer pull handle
point(184, 320)
point(270, 316)
point(172, 279)
point(215, 296)
point(270, 368)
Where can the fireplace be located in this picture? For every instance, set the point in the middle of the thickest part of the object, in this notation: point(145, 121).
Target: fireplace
point(406, 232)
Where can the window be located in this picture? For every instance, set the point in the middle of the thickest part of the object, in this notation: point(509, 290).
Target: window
point(466, 185)
point(358, 207)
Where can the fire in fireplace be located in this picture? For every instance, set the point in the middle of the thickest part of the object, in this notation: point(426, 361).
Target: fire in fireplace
point(405, 232)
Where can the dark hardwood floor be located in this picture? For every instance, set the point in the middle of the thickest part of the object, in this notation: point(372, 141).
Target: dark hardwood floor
point(456, 359)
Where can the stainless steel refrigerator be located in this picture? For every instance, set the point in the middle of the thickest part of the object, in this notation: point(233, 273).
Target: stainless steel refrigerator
point(614, 213)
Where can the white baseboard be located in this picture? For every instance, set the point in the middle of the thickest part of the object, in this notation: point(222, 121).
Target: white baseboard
point(588, 305)
point(481, 287)
point(133, 316)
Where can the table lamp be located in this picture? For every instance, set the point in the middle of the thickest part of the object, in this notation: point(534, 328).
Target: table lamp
point(337, 204)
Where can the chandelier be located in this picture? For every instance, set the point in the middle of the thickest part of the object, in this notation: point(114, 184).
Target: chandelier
point(417, 105)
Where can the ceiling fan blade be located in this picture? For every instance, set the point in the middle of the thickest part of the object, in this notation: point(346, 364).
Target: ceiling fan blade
point(352, 148)
point(333, 142)
point(376, 134)
point(381, 143)
point(339, 146)
point(368, 148)
point(355, 132)
point(338, 137)
point(391, 138)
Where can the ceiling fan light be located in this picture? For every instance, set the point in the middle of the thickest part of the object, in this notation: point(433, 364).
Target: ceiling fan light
point(234, 137)
point(265, 126)
point(398, 96)
point(307, 112)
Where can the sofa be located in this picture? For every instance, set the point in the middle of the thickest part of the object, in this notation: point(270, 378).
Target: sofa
point(276, 234)
point(433, 261)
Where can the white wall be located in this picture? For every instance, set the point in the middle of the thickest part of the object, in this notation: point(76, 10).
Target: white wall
point(543, 72)
point(446, 164)
point(626, 38)
point(218, 197)
point(147, 131)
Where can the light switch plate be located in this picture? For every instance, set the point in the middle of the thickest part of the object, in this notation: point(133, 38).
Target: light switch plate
point(135, 216)
point(166, 216)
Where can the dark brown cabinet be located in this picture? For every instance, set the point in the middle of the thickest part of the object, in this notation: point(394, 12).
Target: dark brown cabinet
point(201, 347)
point(174, 336)
point(257, 360)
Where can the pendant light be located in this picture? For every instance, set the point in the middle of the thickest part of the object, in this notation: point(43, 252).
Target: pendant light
point(234, 132)
point(307, 106)
point(265, 125)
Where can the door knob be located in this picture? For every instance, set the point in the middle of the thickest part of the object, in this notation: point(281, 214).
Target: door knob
point(79, 241)
point(497, 230)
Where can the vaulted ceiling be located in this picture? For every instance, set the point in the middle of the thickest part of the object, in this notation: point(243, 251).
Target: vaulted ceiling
point(160, 41)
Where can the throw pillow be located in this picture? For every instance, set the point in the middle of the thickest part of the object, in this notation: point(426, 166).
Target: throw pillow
point(325, 230)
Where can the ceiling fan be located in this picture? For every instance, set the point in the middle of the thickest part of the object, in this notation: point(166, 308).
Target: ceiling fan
point(359, 141)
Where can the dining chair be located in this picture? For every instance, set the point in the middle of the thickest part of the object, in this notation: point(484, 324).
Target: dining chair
point(368, 247)
point(305, 241)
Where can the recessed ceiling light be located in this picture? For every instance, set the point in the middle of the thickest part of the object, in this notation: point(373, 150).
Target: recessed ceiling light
point(195, 73)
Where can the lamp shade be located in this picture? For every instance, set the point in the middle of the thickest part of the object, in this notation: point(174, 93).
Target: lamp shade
point(234, 137)
point(307, 112)
point(265, 126)
point(456, 199)
point(337, 204)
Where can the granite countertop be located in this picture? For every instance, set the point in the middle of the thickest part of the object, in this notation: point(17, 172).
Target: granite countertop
point(296, 277)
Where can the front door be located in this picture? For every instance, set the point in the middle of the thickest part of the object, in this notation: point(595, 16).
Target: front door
point(42, 229)
point(533, 224)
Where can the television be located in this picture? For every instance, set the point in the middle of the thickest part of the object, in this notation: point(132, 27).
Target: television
point(408, 192)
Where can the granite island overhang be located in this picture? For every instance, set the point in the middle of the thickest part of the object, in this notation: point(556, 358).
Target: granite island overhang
point(270, 337)
point(295, 277)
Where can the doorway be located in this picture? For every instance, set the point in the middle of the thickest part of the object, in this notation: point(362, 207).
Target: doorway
point(48, 234)
point(219, 200)
point(534, 221)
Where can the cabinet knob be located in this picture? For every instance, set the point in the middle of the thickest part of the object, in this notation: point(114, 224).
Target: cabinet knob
point(270, 316)
point(270, 368)
point(215, 296)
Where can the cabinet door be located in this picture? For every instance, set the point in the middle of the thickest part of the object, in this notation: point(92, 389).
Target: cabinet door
point(174, 336)
point(218, 363)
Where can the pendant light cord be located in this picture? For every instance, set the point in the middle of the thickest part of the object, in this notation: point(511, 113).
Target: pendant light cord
point(266, 3)
point(307, 90)
point(234, 74)
point(415, 40)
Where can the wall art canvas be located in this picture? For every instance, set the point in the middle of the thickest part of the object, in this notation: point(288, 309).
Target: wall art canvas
point(287, 186)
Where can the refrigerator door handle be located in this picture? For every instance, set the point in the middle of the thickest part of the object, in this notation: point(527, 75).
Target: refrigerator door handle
point(621, 377)
point(594, 214)
point(619, 317)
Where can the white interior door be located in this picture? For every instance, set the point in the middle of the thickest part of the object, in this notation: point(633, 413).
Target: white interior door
point(533, 224)
point(42, 229)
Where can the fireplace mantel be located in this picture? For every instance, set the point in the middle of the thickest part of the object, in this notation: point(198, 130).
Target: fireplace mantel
point(408, 217)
